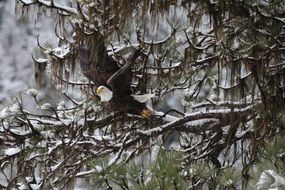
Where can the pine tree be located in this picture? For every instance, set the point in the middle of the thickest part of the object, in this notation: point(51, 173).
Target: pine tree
point(216, 69)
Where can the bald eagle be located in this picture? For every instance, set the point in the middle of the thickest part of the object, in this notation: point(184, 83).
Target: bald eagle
point(113, 81)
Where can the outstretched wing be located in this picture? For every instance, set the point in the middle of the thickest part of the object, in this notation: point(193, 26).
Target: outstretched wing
point(97, 70)
point(121, 81)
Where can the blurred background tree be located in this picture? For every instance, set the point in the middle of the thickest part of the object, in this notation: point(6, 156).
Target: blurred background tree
point(216, 69)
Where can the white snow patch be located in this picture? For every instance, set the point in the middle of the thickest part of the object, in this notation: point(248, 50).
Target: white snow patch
point(51, 149)
point(85, 173)
point(154, 152)
point(47, 134)
point(42, 60)
point(53, 168)
point(19, 132)
point(201, 122)
point(179, 39)
point(270, 180)
point(167, 117)
point(57, 5)
point(12, 151)
point(35, 186)
point(61, 52)
point(113, 159)
point(46, 106)
point(4, 113)
point(150, 131)
point(148, 176)
point(22, 186)
point(28, 1)
point(98, 168)
point(32, 92)
point(14, 108)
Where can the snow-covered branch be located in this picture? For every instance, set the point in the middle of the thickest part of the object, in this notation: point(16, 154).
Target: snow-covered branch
point(64, 10)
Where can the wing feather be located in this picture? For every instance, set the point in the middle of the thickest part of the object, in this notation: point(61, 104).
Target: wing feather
point(121, 81)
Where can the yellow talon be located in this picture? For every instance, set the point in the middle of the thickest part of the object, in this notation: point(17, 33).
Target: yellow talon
point(146, 113)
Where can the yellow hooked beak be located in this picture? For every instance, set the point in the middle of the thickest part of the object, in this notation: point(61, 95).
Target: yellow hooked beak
point(99, 90)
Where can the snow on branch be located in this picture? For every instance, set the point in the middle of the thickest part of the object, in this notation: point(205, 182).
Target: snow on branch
point(197, 121)
point(64, 10)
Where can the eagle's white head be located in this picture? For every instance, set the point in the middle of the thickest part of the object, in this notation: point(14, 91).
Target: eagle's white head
point(104, 93)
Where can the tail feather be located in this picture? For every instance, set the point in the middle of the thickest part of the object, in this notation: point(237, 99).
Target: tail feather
point(143, 98)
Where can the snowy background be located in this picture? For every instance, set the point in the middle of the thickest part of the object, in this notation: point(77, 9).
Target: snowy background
point(18, 42)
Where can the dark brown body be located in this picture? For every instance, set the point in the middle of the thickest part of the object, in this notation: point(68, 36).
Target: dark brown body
point(105, 71)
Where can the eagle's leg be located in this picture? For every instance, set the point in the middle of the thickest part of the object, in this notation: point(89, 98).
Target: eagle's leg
point(146, 113)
